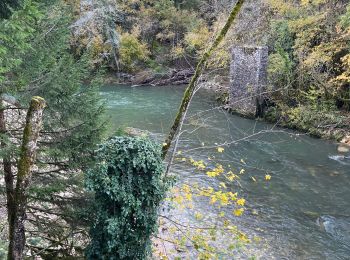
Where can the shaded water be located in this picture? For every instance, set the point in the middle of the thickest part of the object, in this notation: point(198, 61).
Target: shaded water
point(302, 213)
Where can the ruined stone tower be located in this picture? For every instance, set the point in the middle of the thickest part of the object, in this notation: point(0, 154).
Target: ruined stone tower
point(248, 77)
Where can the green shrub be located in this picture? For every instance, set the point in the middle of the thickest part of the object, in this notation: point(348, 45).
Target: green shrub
point(132, 51)
point(129, 185)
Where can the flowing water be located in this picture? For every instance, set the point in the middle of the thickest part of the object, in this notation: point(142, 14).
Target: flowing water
point(303, 212)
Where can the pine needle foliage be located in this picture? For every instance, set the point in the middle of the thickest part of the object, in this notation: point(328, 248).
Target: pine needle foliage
point(36, 60)
point(129, 185)
point(6, 6)
point(15, 34)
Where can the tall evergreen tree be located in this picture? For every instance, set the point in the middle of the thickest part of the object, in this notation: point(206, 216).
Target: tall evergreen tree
point(72, 123)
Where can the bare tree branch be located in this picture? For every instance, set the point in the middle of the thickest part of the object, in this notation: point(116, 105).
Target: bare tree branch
point(200, 67)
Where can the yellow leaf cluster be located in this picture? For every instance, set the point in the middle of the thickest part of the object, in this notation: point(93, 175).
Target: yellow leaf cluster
point(224, 198)
point(200, 165)
point(216, 171)
point(267, 177)
point(231, 176)
point(198, 38)
point(238, 212)
point(132, 50)
point(177, 52)
point(282, 7)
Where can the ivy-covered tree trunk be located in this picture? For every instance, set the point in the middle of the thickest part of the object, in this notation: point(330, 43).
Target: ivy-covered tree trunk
point(27, 158)
point(129, 186)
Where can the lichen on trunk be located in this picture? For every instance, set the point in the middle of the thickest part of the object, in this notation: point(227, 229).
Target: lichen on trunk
point(17, 214)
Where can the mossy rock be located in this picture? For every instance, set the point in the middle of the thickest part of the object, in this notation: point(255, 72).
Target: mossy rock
point(130, 131)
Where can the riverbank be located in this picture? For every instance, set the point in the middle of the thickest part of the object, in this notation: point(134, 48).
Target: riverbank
point(326, 124)
point(316, 122)
point(148, 77)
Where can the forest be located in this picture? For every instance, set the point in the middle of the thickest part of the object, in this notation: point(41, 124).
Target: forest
point(121, 136)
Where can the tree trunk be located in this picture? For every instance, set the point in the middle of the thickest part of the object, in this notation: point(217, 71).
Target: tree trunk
point(200, 67)
point(6, 162)
point(24, 174)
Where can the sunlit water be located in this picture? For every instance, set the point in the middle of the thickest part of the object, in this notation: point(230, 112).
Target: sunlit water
point(303, 212)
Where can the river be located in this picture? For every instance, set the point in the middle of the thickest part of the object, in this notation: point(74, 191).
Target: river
point(303, 212)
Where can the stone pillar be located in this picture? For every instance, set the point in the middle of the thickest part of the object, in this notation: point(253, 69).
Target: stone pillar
point(248, 77)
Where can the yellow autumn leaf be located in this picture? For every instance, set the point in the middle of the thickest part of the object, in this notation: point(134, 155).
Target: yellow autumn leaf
point(216, 171)
point(199, 164)
point(210, 190)
point(179, 152)
point(212, 174)
point(165, 144)
point(222, 184)
point(243, 237)
point(231, 177)
point(224, 199)
point(240, 202)
point(233, 196)
point(253, 179)
point(238, 212)
point(186, 188)
point(188, 196)
point(198, 216)
point(267, 177)
point(220, 149)
point(178, 199)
